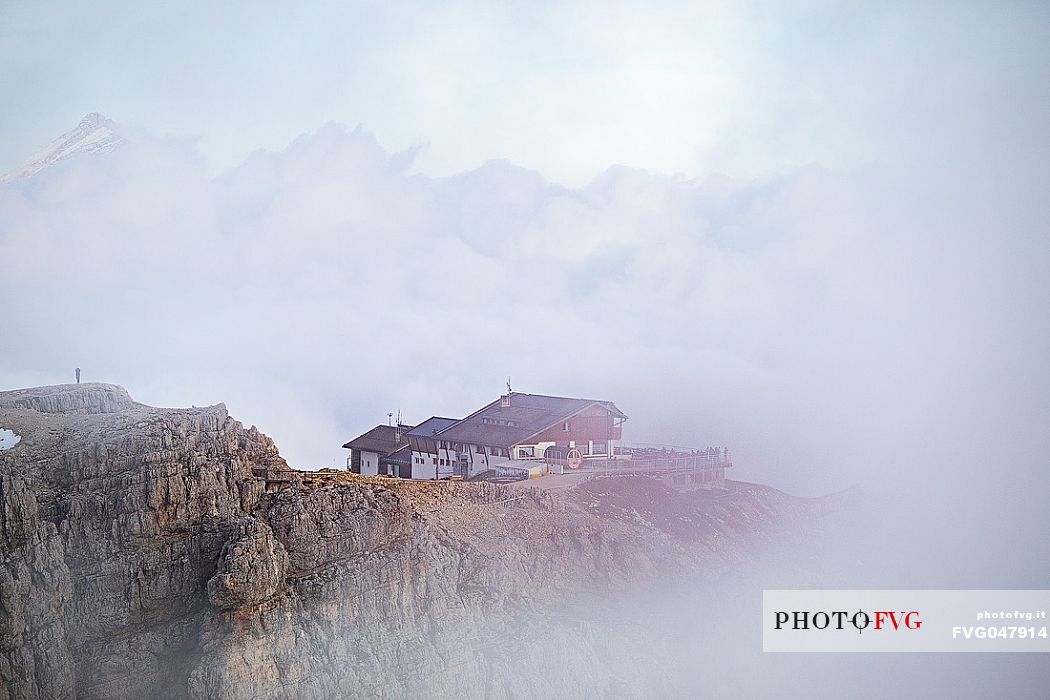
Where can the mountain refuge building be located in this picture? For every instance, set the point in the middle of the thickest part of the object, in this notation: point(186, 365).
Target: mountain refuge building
point(517, 434)
point(520, 436)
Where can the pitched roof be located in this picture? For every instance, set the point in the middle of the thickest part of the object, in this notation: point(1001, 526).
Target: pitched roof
point(432, 426)
point(527, 414)
point(402, 455)
point(381, 439)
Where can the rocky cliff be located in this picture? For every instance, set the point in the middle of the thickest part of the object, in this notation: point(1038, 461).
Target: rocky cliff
point(169, 553)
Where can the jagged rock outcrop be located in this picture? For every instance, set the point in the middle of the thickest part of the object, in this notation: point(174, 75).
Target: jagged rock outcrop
point(71, 398)
point(123, 510)
point(167, 553)
point(251, 569)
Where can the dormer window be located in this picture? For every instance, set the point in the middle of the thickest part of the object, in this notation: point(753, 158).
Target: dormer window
point(500, 421)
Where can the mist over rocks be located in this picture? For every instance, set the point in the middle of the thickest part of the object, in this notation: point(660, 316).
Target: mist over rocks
point(833, 327)
point(143, 555)
point(811, 320)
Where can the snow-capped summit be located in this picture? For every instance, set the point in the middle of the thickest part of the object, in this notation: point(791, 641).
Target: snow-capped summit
point(94, 134)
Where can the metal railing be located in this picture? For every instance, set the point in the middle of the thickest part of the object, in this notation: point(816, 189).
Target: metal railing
point(684, 457)
point(694, 463)
point(653, 458)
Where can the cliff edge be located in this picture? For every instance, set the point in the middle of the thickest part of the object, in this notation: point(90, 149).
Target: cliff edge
point(170, 553)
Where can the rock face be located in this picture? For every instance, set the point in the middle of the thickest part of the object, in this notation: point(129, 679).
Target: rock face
point(251, 569)
point(35, 590)
point(114, 516)
point(70, 398)
point(164, 553)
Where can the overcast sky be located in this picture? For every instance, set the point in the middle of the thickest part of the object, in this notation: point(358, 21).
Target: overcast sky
point(743, 88)
point(816, 235)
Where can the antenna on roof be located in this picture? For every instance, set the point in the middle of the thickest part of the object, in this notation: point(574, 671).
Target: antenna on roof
point(509, 390)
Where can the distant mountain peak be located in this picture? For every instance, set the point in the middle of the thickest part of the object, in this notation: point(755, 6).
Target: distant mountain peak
point(95, 119)
point(93, 134)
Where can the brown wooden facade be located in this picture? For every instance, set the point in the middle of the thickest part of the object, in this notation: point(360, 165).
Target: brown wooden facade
point(596, 423)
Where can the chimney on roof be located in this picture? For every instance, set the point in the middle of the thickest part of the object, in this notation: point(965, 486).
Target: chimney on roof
point(504, 401)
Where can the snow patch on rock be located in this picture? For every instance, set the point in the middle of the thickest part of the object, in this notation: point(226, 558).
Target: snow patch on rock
point(8, 439)
point(94, 134)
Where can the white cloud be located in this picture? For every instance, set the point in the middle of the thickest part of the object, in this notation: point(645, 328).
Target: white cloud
point(809, 321)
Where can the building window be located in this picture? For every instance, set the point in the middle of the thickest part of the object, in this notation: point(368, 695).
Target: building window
point(526, 452)
point(565, 426)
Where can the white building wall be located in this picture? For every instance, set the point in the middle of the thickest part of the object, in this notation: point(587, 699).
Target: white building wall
point(419, 466)
point(450, 456)
point(423, 466)
point(481, 460)
point(369, 463)
point(478, 458)
point(538, 448)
